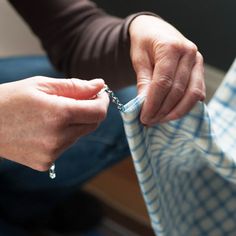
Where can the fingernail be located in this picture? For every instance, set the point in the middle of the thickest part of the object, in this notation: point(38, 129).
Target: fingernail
point(97, 82)
point(144, 120)
point(103, 90)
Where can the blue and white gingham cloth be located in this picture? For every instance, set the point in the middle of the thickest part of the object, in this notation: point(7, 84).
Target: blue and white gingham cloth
point(187, 168)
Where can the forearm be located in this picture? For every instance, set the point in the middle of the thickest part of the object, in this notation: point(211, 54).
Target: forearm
point(80, 39)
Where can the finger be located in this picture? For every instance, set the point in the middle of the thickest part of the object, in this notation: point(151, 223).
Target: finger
point(196, 91)
point(180, 85)
point(88, 111)
point(143, 68)
point(160, 85)
point(72, 88)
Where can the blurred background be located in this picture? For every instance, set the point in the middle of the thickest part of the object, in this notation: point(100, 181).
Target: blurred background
point(208, 23)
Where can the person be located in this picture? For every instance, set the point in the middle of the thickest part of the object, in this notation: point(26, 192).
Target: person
point(41, 117)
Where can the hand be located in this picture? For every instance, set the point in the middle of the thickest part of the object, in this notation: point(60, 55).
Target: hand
point(41, 117)
point(169, 69)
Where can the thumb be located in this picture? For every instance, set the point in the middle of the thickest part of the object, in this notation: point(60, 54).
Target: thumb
point(73, 88)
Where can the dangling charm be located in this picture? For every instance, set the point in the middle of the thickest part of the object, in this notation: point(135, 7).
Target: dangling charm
point(52, 172)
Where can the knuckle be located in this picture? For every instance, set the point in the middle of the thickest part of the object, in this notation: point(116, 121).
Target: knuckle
point(178, 90)
point(191, 49)
point(137, 61)
point(200, 57)
point(197, 94)
point(174, 46)
point(178, 46)
point(165, 82)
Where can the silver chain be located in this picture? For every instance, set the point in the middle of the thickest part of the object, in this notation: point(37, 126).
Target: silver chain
point(114, 99)
point(52, 172)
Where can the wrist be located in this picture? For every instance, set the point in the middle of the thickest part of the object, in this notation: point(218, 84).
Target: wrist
point(141, 19)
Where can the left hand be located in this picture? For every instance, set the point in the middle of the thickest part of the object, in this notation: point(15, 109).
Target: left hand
point(169, 69)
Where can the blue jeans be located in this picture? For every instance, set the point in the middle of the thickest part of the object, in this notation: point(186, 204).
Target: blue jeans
point(25, 192)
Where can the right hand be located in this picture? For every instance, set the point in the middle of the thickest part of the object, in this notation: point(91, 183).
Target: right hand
point(169, 70)
point(40, 117)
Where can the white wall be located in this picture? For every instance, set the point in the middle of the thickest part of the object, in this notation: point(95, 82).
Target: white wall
point(15, 37)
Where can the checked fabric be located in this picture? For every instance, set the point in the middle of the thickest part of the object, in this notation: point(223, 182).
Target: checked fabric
point(187, 168)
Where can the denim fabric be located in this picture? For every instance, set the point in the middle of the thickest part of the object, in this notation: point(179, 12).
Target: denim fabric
point(26, 192)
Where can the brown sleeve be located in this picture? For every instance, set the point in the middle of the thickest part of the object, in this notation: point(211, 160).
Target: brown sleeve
point(81, 39)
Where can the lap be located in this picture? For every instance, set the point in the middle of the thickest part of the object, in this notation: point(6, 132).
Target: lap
point(16, 68)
